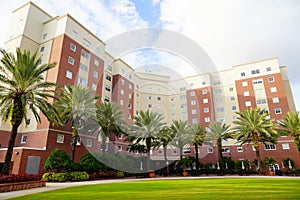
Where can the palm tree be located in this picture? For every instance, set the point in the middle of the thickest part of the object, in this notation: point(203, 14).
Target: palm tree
point(145, 127)
point(290, 125)
point(76, 105)
point(23, 89)
point(110, 120)
point(182, 135)
point(198, 133)
point(164, 137)
point(254, 125)
point(220, 132)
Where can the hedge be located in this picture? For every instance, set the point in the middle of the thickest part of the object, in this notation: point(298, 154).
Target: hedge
point(62, 177)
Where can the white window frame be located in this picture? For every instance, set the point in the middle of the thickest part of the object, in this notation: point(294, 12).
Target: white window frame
point(23, 139)
point(277, 111)
point(206, 119)
point(239, 149)
point(69, 74)
point(273, 89)
point(89, 142)
point(275, 99)
point(73, 47)
point(205, 110)
point(122, 92)
point(248, 103)
point(246, 93)
point(204, 91)
point(210, 150)
point(71, 60)
point(286, 146)
point(245, 83)
point(194, 111)
point(60, 138)
point(96, 62)
point(94, 86)
point(192, 93)
point(193, 102)
point(271, 79)
point(270, 147)
point(95, 74)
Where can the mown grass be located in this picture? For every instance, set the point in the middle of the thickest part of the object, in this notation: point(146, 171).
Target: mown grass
point(212, 188)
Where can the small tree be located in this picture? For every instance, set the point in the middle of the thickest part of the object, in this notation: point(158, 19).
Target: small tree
point(58, 160)
point(267, 162)
point(89, 163)
point(287, 163)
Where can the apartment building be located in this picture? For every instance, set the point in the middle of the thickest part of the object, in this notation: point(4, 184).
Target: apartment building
point(203, 98)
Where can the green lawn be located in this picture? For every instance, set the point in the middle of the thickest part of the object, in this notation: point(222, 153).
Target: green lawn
point(213, 188)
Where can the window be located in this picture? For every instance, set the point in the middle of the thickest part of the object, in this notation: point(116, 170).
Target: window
point(73, 47)
point(210, 150)
point(130, 86)
point(83, 67)
point(129, 106)
point(85, 54)
point(217, 82)
point(205, 100)
point(173, 115)
point(149, 105)
point(192, 93)
point(271, 79)
point(122, 82)
point(273, 89)
point(23, 139)
point(277, 110)
point(244, 83)
point(129, 116)
point(121, 102)
point(174, 152)
point(95, 74)
point(149, 97)
point(106, 99)
point(107, 88)
point(221, 109)
point(89, 143)
point(208, 129)
point(42, 49)
point(109, 68)
point(285, 146)
point(193, 102)
point(243, 74)
point(231, 89)
point(248, 103)
point(268, 69)
point(108, 77)
point(204, 91)
point(261, 101)
point(246, 93)
point(206, 110)
point(86, 42)
point(225, 150)
point(239, 149)
point(119, 147)
point(275, 100)
point(182, 89)
point(221, 119)
point(82, 81)
point(217, 91)
point(258, 81)
point(255, 71)
point(194, 120)
point(129, 96)
point(232, 98)
point(203, 82)
point(158, 98)
point(259, 91)
point(71, 60)
point(218, 100)
point(173, 107)
point(44, 36)
point(69, 74)
point(194, 111)
point(233, 108)
point(60, 138)
point(206, 119)
point(270, 147)
point(122, 92)
point(172, 98)
point(182, 97)
point(96, 62)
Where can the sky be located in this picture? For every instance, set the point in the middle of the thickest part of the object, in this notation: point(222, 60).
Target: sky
point(231, 32)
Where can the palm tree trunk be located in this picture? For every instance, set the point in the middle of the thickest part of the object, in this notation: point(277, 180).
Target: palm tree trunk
point(181, 152)
point(220, 154)
point(166, 160)
point(197, 157)
point(11, 144)
point(258, 159)
point(73, 147)
point(103, 144)
point(148, 145)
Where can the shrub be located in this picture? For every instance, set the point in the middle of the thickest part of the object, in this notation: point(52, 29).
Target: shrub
point(19, 178)
point(58, 160)
point(62, 177)
point(89, 163)
point(120, 174)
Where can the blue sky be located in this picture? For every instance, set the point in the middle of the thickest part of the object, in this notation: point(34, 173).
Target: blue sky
point(232, 32)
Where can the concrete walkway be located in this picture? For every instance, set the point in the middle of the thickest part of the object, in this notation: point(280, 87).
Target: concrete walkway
point(55, 186)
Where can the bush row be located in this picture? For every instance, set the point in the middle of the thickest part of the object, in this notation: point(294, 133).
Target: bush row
point(19, 178)
point(66, 176)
